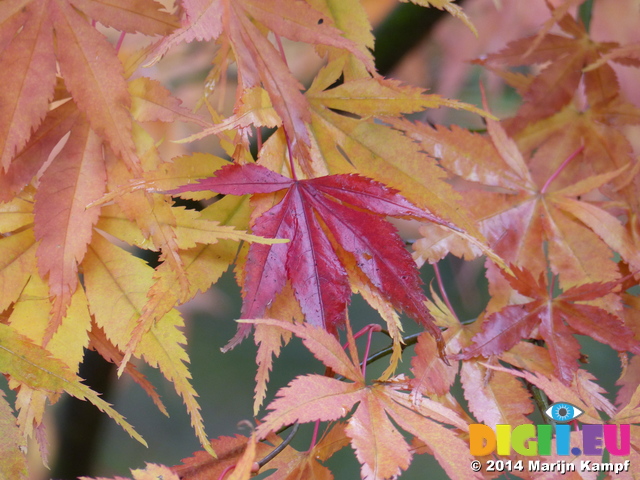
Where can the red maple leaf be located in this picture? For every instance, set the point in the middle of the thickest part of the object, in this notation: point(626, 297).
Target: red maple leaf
point(557, 320)
point(334, 223)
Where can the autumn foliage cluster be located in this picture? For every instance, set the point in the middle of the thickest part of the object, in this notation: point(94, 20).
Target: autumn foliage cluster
point(301, 207)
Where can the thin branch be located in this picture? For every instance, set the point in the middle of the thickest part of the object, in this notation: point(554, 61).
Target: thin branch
point(407, 341)
point(274, 453)
point(539, 397)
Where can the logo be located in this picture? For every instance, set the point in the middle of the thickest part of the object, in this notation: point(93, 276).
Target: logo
point(562, 412)
point(530, 440)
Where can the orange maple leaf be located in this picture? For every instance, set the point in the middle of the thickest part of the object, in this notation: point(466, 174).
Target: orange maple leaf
point(379, 445)
point(89, 65)
point(518, 212)
point(259, 61)
point(556, 319)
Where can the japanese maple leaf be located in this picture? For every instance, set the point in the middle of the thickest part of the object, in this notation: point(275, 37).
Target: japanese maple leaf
point(556, 319)
point(292, 464)
point(75, 178)
point(583, 392)
point(289, 463)
point(333, 223)
point(229, 450)
point(563, 58)
point(240, 22)
point(380, 447)
point(64, 226)
point(38, 37)
point(593, 119)
point(519, 205)
point(629, 412)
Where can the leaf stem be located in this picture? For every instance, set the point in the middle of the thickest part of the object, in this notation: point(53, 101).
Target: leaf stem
point(314, 437)
point(366, 352)
point(286, 135)
point(560, 168)
point(291, 166)
point(120, 40)
point(225, 471)
point(371, 327)
point(407, 341)
point(443, 292)
point(281, 49)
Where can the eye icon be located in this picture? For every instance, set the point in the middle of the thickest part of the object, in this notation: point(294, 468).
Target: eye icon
point(563, 412)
